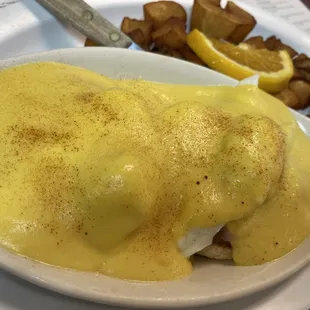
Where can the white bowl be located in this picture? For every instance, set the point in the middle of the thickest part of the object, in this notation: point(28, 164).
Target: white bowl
point(211, 281)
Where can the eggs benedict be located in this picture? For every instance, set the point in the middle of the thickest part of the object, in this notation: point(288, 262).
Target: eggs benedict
point(108, 176)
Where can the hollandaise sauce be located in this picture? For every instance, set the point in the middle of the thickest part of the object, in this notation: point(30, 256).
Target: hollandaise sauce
point(107, 175)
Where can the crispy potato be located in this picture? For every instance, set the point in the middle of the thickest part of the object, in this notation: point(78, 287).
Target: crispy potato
point(275, 44)
point(172, 34)
point(89, 42)
point(305, 74)
point(175, 54)
point(297, 75)
point(232, 23)
point(271, 42)
point(138, 37)
point(129, 25)
point(302, 64)
point(162, 50)
point(302, 92)
point(257, 42)
point(189, 55)
point(158, 13)
point(300, 57)
point(279, 46)
point(246, 22)
point(289, 98)
point(166, 51)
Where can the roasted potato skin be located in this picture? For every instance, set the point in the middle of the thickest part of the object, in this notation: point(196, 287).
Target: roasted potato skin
point(158, 13)
point(302, 91)
point(172, 34)
point(190, 56)
point(138, 37)
point(138, 30)
point(289, 98)
point(302, 65)
point(275, 44)
point(232, 23)
point(257, 42)
point(129, 25)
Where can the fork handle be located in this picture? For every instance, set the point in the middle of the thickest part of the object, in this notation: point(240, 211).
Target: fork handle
point(88, 21)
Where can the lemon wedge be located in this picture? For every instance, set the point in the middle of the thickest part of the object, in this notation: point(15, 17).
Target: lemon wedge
point(275, 68)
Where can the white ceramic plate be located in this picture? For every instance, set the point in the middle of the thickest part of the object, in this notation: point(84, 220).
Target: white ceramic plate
point(211, 281)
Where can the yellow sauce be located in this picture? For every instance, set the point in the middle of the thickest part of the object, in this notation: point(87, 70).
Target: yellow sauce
point(106, 176)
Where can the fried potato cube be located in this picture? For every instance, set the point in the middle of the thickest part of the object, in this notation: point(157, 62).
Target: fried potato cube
point(288, 97)
point(172, 34)
point(299, 58)
point(257, 42)
point(271, 42)
point(158, 13)
point(302, 63)
point(302, 91)
point(161, 51)
point(167, 51)
point(275, 44)
point(138, 37)
point(175, 54)
point(279, 46)
point(302, 67)
point(305, 74)
point(190, 56)
point(129, 25)
point(232, 23)
point(297, 75)
point(89, 42)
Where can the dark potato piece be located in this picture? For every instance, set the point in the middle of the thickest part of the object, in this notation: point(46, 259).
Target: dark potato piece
point(166, 51)
point(175, 54)
point(129, 25)
point(299, 58)
point(245, 22)
point(158, 13)
point(297, 75)
point(271, 42)
point(275, 44)
point(189, 55)
point(305, 74)
point(289, 98)
point(279, 46)
point(302, 92)
point(172, 34)
point(89, 42)
point(138, 37)
point(232, 23)
point(257, 42)
point(303, 64)
point(162, 50)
